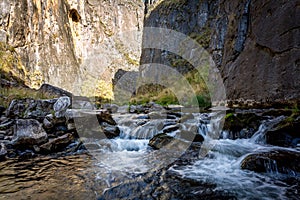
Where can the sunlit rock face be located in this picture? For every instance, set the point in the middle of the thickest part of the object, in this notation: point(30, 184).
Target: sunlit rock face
point(74, 44)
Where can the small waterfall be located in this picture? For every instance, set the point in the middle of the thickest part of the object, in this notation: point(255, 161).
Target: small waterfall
point(259, 136)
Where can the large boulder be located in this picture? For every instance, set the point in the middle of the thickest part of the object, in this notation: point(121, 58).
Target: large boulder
point(277, 160)
point(286, 133)
point(28, 132)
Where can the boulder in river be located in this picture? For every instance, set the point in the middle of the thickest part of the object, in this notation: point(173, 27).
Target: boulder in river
point(28, 132)
point(274, 161)
point(286, 133)
point(110, 131)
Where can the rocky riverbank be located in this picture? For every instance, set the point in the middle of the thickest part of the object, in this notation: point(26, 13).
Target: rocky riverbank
point(156, 145)
point(32, 127)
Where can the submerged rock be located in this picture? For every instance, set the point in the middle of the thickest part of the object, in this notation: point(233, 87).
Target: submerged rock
point(274, 161)
point(28, 132)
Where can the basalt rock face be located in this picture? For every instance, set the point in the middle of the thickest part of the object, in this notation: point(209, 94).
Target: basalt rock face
point(254, 44)
point(72, 44)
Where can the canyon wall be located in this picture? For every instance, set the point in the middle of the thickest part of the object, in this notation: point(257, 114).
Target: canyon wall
point(254, 44)
point(77, 45)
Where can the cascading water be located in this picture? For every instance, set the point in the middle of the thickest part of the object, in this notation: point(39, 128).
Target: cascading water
point(115, 161)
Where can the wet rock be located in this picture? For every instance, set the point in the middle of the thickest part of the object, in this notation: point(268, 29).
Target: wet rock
point(165, 184)
point(164, 141)
point(186, 117)
point(61, 105)
point(106, 117)
point(28, 132)
point(241, 125)
point(190, 136)
point(170, 129)
point(147, 129)
point(57, 144)
point(27, 154)
point(160, 140)
point(110, 131)
point(274, 161)
point(3, 151)
point(286, 133)
point(143, 117)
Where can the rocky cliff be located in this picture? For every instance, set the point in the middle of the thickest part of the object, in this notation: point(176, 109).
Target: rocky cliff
point(73, 44)
point(254, 44)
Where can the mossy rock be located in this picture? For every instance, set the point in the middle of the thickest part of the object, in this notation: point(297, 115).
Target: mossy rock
point(286, 133)
point(235, 122)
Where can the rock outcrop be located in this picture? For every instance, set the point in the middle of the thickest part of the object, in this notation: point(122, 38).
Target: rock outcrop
point(73, 44)
point(254, 44)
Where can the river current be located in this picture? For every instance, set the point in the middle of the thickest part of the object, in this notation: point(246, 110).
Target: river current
point(109, 163)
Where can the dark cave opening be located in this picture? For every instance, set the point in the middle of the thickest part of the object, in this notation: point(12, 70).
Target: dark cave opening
point(73, 13)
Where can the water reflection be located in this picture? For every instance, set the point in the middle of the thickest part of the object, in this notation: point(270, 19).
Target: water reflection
point(69, 177)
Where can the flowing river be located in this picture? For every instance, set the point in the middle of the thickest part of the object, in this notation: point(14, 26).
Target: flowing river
point(98, 173)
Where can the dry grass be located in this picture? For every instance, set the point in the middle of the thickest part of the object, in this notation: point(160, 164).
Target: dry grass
point(7, 94)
